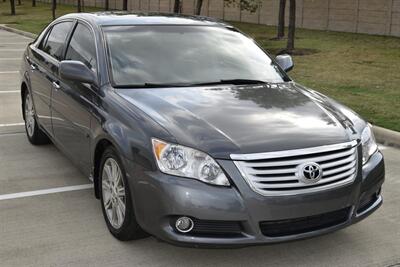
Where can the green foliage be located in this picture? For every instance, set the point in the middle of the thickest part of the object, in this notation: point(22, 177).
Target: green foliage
point(246, 5)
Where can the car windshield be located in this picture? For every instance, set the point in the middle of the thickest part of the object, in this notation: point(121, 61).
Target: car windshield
point(185, 55)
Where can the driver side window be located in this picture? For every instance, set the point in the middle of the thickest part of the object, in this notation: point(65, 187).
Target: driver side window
point(53, 42)
point(82, 47)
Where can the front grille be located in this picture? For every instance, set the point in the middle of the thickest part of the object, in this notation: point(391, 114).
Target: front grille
point(304, 224)
point(215, 228)
point(277, 173)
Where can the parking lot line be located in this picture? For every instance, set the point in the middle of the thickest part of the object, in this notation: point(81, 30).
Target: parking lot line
point(46, 191)
point(11, 50)
point(10, 92)
point(12, 124)
point(9, 72)
point(15, 43)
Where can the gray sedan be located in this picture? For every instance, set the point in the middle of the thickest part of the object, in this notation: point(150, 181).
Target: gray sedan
point(194, 134)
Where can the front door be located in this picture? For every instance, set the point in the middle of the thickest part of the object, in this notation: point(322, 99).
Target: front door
point(72, 101)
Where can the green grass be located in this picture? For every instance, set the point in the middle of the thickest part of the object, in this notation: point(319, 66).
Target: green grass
point(33, 19)
point(361, 71)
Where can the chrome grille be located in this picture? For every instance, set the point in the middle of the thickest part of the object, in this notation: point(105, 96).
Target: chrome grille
point(277, 173)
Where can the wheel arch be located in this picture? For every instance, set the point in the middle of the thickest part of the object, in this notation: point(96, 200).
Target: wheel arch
point(101, 145)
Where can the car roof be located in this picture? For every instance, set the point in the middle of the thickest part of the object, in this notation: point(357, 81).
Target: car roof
point(114, 18)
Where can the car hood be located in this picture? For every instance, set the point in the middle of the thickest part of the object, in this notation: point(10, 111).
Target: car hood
point(244, 119)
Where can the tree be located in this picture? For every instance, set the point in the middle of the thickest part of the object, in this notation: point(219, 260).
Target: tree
point(79, 6)
point(106, 4)
point(124, 4)
point(253, 5)
point(281, 19)
point(33, 3)
point(177, 6)
point(292, 26)
point(246, 5)
point(53, 8)
point(199, 4)
point(19, 2)
point(12, 3)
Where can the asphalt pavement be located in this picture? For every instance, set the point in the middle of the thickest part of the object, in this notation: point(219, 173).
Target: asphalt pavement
point(50, 217)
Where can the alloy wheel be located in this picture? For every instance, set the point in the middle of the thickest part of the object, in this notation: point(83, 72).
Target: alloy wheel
point(29, 115)
point(113, 192)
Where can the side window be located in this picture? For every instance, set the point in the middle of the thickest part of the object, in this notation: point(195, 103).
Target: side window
point(44, 40)
point(55, 41)
point(82, 47)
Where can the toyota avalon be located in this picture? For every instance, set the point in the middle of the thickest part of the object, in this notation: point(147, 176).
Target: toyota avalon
point(192, 133)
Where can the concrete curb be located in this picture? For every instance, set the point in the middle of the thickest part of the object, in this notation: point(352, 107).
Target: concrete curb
point(383, 136)
point(23, 33)
point(387, 137)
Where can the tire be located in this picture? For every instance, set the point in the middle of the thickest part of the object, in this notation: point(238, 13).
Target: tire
point(115, 197)
point(35, 135)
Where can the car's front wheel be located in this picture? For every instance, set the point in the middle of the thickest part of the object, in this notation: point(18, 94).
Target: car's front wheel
point(35, 135)
point(116, 198)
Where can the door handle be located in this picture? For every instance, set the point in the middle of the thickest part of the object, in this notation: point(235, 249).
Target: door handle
point(33, 66)
point(56, 85)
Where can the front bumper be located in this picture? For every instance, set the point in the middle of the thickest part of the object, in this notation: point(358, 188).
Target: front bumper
point(158, 198)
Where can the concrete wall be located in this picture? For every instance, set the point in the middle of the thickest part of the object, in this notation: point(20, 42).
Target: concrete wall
point(361, 16)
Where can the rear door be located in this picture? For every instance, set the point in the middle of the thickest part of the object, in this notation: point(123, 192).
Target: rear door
point(44, 61)
point(72, 101)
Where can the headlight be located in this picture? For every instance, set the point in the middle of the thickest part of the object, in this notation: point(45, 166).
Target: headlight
point(187, 162)
point(369, 145)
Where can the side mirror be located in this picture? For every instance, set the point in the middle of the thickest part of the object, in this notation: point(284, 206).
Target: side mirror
point(76, 71)
point(285, 62)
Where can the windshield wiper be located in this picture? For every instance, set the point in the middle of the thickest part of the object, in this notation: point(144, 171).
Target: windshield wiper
point(164, 85)
point(232, 81)
point(153, 85)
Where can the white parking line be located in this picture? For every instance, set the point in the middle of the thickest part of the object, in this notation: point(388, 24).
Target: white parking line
point(12, 134)
point(11, 50)
point(10, 92)
point(12, 124)
point(14, 43)
point(46, 191)
point(9, 72)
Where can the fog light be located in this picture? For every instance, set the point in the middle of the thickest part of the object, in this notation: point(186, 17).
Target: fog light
point(184, 224)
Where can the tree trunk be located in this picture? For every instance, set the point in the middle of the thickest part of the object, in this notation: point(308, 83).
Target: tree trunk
point(106, 4)
point(177, 6)
point(12, 3)
point(292, 26)
point(124, 4)
point(199, 4)
point(33, 3)
point(19, 2)
point(79, 6)
point(53, 9)
point(281, 19)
